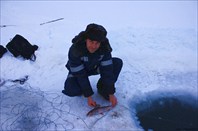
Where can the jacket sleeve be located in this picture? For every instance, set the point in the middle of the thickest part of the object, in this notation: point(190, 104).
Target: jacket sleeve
point(77, 69)
point(106, 72)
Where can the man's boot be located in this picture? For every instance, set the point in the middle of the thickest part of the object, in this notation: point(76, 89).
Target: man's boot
point(101, 90)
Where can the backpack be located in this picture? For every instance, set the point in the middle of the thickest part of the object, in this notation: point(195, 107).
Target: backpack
point(19, 46)
point(3, 50)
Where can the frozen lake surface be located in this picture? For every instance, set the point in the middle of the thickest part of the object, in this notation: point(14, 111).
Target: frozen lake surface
point(160, 64)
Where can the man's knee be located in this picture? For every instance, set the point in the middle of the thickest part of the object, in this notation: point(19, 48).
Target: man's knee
point(71, 87)
point(117, 62)
point(117, 66)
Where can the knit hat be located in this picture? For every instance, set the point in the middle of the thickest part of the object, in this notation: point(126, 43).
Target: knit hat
point(96, 32)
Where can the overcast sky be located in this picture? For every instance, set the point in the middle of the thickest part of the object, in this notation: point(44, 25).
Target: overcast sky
point(182, 14)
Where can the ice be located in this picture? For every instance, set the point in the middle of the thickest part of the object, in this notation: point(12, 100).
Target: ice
point(158, 48)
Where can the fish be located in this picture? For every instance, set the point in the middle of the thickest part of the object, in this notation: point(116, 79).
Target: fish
point(99, 110)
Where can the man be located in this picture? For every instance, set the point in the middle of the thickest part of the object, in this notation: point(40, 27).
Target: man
point(90, 54)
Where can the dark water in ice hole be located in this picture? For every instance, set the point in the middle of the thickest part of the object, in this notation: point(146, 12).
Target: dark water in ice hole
point(168, 114)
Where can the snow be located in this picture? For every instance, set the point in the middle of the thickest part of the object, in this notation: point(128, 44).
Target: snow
point(158, 48)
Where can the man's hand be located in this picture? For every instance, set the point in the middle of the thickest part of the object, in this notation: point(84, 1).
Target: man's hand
point(91, 102)
point(113, 100)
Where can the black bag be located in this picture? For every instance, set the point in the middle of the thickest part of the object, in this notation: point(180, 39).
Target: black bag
point(20, 46)
point(2, 50)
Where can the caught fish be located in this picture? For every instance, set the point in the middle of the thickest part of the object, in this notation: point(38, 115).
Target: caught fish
point(99, 110)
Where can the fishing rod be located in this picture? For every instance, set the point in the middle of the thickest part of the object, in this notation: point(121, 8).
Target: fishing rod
point(3, 26)
point(51, 21)
point(6, 25)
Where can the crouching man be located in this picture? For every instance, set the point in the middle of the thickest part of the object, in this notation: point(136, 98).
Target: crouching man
point(90, 54)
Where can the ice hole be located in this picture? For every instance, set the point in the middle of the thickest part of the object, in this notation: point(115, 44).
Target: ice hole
point(168, 114)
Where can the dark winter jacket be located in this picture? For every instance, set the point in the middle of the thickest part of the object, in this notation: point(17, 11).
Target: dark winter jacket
point(82, 64)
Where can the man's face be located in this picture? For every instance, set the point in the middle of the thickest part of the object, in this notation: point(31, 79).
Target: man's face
point(92, 46)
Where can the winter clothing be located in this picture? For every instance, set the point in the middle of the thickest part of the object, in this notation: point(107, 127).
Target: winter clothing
point(96, 32)
point(82, 64)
